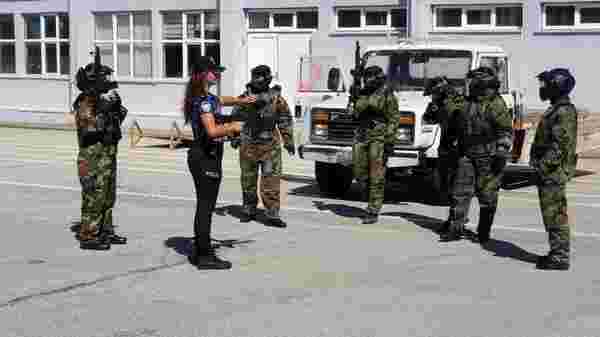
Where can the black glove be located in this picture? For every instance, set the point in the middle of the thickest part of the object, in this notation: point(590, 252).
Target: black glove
point(388, 149)
point(235, 143)
point(499, 162)
point(290, 148)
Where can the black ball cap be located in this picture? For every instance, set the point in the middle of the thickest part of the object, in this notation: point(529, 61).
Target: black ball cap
point(205, 63)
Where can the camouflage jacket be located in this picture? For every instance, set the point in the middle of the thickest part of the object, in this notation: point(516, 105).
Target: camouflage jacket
point(283, 121)
point(378, 115)
point(553, 152)
point(484, 121)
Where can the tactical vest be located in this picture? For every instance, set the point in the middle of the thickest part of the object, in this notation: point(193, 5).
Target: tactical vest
point(261, 119)
point(99, 120)
point(475, 125)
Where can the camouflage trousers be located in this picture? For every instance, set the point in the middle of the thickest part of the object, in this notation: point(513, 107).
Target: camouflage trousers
point(267, 157)
point(474, 176)
point(97, 169)
point(553, 204)
point(369, 169)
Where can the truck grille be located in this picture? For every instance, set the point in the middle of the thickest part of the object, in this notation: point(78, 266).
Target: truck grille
point(341, 127)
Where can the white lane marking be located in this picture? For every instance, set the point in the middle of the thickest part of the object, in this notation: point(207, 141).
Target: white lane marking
point(71, 162)
point(299, 209)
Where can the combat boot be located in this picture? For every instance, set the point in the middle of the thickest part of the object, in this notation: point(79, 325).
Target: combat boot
point(484, 227)
point(249, 207)
point(548, 263)
point(207, 259)
point(90, 241)
point(454, 233)
point(445, 227)
point(248, 214)
point(370, 217)
point(276, 222)
point(117, 239)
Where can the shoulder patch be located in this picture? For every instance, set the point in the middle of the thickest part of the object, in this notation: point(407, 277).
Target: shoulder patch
point(206, 107)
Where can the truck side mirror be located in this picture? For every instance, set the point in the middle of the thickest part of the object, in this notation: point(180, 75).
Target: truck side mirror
point(333, 79)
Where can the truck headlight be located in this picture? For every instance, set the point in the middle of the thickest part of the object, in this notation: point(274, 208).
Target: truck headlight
point(320, 123)
point(320, 130)
point(404, 134)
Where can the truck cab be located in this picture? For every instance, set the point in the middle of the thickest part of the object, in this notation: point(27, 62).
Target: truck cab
point(329, 127)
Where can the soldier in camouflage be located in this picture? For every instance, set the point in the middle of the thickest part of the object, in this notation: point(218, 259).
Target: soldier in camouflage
point(98, 116)
point(437, 112)
point(378, 115)
point(553, 155)
point(260, 146)
point(484, 126)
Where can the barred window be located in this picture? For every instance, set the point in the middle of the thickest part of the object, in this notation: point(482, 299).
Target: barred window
point(187, 36)
point(7, 44)
point(47, 44)
point(125, 43)
point(484, 17)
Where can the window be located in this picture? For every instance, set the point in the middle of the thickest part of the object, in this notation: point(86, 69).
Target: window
point(282, 20)
point(572, 16)
point(47, 44)
point(371, 18)
point(7, 44)
point(500, 65)
point(187, 36)
point(478, 18)
point(125, 43)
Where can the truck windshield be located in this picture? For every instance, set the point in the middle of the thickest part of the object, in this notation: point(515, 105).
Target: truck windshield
point(408, 70)
point(320, 73)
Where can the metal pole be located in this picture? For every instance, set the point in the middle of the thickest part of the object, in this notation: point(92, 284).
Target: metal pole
point(70, 86)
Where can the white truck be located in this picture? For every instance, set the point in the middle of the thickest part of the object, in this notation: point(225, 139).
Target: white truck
point(329, 128)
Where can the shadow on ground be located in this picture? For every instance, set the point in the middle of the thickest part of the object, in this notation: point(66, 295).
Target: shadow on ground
point(185, 245)
point(510, 250)
point(394, 194)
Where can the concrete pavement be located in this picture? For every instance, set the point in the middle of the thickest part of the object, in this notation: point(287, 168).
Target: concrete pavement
point(325, 275)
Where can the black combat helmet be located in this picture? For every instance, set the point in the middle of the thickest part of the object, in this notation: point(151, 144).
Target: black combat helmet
point(481, 79)
point(373, 78)
point(438, 84)
point(261, 78)
point(556, 83)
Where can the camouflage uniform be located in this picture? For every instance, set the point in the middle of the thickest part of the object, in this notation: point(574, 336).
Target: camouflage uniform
point(554, 158)
point(262, 147)
point(97, 169)
point(484, 125)
point(379, 122)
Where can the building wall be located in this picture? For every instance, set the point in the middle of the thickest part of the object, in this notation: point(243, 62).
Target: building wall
point(531, 50)
point(156, 101)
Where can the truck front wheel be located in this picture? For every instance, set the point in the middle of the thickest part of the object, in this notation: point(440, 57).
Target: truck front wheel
point(333, 179)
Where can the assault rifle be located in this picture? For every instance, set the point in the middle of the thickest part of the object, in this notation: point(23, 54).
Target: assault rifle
point(357, 74)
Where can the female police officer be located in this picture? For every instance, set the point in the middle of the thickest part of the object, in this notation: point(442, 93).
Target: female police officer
point(205, 156)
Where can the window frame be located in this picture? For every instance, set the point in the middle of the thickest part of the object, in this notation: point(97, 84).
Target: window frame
point(465, 27)
point(577, 24)
point(12, 42)
point(185, 41)
point(43, 40)
point(273, 28)
point(131, 42)
point(363, 19)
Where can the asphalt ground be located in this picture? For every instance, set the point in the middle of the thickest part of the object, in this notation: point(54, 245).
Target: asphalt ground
point(325, 275)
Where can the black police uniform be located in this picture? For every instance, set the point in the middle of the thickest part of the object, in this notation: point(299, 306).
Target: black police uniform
point(205, 163)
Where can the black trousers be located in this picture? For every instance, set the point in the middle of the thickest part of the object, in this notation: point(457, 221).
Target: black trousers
point(207, 173)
